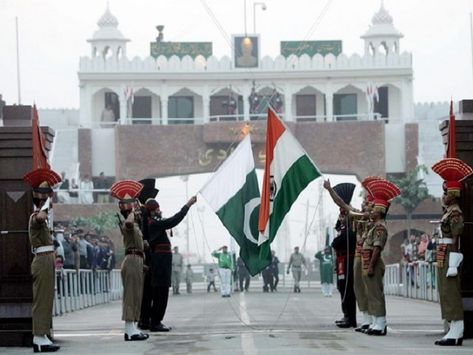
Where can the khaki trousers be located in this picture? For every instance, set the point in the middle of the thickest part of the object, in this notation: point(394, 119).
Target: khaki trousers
point(375, 291)
point(451, 304)
point(133, 279)
point(42, 270)
point(359, 286)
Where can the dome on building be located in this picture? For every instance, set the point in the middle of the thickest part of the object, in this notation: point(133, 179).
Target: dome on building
point(107, 19)
point(108, 30)
point(382, 25)
point(382, 16)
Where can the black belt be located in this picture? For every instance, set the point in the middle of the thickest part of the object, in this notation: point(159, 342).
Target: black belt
point(134, 252)
point(164, 248)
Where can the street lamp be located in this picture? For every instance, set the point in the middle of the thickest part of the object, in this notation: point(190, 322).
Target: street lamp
point(263, 7)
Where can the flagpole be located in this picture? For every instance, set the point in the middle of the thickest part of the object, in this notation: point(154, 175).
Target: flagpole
point(18, 61)
point(471, 40)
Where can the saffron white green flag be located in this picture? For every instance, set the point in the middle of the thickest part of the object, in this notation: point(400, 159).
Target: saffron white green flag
point(288, 171)
point(233, 194)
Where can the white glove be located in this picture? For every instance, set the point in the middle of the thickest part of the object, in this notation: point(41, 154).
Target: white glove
point(454, 261)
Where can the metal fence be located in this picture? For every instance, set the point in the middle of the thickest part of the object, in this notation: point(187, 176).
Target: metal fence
point(76, 290)
point(413, 280)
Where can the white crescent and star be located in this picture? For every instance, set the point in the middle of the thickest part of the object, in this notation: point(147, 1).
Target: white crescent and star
point(249, 208)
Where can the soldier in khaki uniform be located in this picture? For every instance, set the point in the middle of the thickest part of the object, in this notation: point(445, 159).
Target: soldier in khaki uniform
point(448, 258)
point(42, 266)
point(361, 226)
point(296, 261)
point(372, 263)
point(177, 265)
point(132, 267)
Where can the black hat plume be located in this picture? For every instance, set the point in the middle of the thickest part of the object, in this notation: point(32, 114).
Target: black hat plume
point(345, 191)
point(149, 190)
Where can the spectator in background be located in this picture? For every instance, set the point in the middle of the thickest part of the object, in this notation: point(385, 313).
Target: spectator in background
point(107, 117)
point(83, 252)
point(431, 253)
point(189, 278)
point(211, 280)
point(267, 274)
point(424, 241)
point(412, 257)
point(243, 275)
point(102, 184)
point(68, 253)
point(63, 193)
point(275, 270)
point(74, 195)
point(86, 191)
point(59, 266)
point(177, 265)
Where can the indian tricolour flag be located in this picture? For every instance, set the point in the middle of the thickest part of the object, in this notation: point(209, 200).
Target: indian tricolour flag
point(233, 194)
point(288, 170)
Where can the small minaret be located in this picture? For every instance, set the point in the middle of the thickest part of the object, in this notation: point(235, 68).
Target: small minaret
point(108, 41)
point(382, 36)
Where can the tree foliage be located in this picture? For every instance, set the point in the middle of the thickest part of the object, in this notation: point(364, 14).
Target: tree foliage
point(102, 222)
point(413, 189)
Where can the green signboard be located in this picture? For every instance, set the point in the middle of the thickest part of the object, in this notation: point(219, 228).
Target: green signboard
point(310, 48)
point(181, 49)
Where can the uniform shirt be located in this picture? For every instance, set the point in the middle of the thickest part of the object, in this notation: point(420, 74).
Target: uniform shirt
point(189, 275)
point(39, 233)
point(224, 260)
point(452, 222)
point(376, 237)
point(132, 237)
point(296, 260)
point(177, 262)
point(157, 227)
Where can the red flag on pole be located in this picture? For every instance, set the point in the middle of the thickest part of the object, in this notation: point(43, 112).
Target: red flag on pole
point(40, 157)
point(451, 143)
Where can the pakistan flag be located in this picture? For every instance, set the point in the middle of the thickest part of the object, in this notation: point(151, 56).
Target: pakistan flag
point(234, 195)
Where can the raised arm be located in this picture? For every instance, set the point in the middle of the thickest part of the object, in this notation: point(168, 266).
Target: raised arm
point(337, 199)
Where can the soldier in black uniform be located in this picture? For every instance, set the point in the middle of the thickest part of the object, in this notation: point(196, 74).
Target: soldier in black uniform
point(344, 245)
point(149, 191)
point(161, 258)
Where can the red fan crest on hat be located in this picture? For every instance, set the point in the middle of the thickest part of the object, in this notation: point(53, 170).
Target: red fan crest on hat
point(126, 189)
point(382, 190)
point(38, 176)
point(369, 179)
point(452, 169)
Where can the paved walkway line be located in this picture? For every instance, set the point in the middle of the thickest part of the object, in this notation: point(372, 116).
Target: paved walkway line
point(247, 340)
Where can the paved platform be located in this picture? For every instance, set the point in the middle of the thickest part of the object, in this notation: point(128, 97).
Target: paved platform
point(254, 323)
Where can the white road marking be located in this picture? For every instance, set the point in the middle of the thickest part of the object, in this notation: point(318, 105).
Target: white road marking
point(247, 340)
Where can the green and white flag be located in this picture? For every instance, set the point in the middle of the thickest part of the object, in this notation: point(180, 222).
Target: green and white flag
point(233, 194)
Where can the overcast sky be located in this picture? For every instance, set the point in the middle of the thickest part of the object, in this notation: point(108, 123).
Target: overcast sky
point(53, 36)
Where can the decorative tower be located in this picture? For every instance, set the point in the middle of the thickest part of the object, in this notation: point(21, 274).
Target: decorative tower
point(382, 36)
point(108, 41)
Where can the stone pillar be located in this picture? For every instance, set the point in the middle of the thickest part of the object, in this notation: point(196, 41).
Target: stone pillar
point(16, 205)
point(464, 138)
point(288, 104)
point(329, 106)
point(246, 102)
point(125, 116)
point(85, 152)
point(164, 110)
point(206, 106)
point(85, 113)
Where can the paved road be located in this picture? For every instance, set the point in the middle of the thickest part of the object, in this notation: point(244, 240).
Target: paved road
point(254, 323)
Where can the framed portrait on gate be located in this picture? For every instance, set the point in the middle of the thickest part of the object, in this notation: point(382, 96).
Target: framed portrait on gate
point(245, 51)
